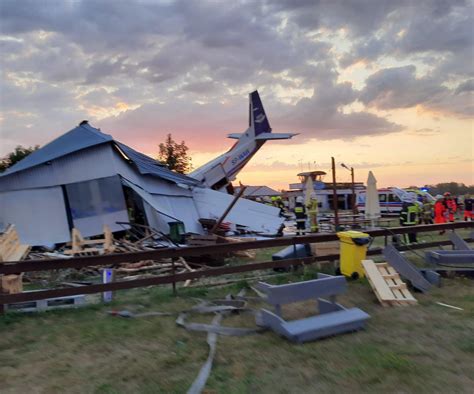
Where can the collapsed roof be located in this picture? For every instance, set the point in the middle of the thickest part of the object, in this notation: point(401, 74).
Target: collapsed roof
point(85, 136)
point(85, 179)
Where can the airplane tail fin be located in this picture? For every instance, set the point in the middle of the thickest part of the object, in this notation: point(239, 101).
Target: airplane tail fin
point(258, 121)
point(259, 127)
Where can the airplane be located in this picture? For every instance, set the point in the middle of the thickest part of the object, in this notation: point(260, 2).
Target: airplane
point(221, 171)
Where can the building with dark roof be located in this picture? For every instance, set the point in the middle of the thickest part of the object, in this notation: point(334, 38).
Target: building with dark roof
point(85, 179)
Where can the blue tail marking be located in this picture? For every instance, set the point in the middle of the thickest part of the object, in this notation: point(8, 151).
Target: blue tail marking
point(258, 115)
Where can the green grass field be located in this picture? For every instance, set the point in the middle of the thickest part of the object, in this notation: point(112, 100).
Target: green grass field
point(418, 349)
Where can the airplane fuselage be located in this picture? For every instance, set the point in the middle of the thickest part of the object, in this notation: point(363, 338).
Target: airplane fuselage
point(222, 170)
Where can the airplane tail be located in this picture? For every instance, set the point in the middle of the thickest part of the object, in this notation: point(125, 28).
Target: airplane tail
point(258, 121)
point(259, 127)
point(219, 172)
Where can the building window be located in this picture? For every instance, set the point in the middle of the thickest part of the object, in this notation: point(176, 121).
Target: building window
point(95, 203)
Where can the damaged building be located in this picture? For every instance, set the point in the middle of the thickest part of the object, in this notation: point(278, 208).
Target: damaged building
point(85, 179)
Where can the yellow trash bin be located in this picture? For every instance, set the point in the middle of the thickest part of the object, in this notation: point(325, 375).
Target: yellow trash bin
point(353, 249)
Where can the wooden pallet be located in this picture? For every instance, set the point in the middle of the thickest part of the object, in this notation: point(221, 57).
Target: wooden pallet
point(387, 285)
point(82, 247)
point(10, 247)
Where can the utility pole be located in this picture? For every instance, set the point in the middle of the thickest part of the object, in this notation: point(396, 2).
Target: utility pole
point(354, 208)
point(334, 194)
point(353, 197)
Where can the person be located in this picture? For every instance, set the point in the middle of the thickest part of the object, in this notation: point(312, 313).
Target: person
point(440, 210)
point(312, 207)
point(279, 203)
point(267, 201)
point(274, 201)
point(468, 208)
point(409, 216)
point(300, 214)
point(451, 205)
point(427, 211)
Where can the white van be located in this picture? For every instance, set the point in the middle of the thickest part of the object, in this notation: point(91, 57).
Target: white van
point(390, 204)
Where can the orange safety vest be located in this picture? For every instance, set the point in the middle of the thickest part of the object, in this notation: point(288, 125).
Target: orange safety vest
point(452, 208)
point(439, 211)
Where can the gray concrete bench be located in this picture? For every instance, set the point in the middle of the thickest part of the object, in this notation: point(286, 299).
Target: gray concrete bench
point(332, 319)
point(458, 242)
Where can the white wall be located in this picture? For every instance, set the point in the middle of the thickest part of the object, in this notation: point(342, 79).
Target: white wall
point(255, 216)
point(39, 215)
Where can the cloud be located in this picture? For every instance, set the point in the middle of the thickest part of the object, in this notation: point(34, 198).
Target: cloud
point(142, 69)
point(398, 87)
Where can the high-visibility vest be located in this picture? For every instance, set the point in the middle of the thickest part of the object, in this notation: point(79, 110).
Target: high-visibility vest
point(409, 215)
point(300, 213)
point(427, 210)
point(312, 206)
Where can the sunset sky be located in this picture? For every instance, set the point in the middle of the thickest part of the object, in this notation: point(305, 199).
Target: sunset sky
point(382, 85)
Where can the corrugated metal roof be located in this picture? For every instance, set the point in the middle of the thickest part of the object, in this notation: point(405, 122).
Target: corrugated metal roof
point(148, 166)
point(81, 137)
point(254, 191)
point(86, 136)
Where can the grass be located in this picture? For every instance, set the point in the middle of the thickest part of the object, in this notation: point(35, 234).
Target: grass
point(425, 348)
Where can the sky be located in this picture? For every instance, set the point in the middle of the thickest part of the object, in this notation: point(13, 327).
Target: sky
point(381, 85)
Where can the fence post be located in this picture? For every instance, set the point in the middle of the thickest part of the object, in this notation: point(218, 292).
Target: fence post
point(2, 307)
point(173, 270)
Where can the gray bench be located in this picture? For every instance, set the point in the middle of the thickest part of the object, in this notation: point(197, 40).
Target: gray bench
point(462, 260)
point(332, 319)
point(458, 242)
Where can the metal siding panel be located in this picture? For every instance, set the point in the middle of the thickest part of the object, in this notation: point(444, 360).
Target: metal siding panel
point(258, 217)
point(38, 214)
point(81, 137)
point(92, 163)
point(148, 183)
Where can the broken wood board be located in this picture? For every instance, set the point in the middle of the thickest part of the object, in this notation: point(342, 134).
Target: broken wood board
point(387, 285)
point(249, 253)
point(81, 246)
point(325, 248)
point(10, 247)
point(11, 284)
point(201, 240)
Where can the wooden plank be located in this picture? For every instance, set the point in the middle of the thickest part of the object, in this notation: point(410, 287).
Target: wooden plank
point(379, 285)
point(10, 247)
point(392, 282)
point(401, 286)
point(407, 296)
point(391, 276)
point(383, 272)
point(11, 284)
point(20, 252)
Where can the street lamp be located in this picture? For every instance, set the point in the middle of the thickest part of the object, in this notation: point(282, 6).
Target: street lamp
point(351, 169)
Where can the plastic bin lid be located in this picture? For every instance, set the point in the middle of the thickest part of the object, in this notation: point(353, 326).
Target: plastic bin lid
point(352, 234)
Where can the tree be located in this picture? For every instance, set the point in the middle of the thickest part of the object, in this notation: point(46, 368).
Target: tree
point(18, 154)
point(175, 156)
point(452, 187)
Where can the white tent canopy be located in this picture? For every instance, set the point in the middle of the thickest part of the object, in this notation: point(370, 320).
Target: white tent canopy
point(372, 204)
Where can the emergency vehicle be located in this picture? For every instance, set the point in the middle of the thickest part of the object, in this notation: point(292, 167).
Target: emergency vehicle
point(390, 199)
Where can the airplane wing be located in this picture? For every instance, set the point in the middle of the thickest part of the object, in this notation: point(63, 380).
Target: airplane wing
point(234, 136)
point(275, 136)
